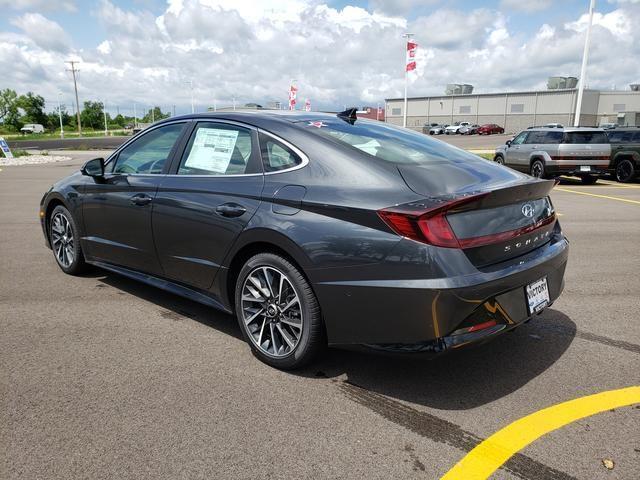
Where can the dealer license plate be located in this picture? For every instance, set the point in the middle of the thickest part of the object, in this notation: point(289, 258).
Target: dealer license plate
point(585, 168)
point(537, 295)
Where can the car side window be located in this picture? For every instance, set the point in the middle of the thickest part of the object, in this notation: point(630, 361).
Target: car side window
point(536, 137)
point(148, 153)
point(218, 149)
point(552, 137)
point(277, 156)
point(636, 137)
point(520, 138)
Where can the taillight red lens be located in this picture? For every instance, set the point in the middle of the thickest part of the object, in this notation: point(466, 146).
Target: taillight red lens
point(428, 225)
point(437, 231)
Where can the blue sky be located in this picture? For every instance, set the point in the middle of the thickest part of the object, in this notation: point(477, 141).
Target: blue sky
point(340, 52)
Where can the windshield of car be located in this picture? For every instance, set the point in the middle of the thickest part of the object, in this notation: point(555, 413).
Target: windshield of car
point(388, 143)
point(586, 137)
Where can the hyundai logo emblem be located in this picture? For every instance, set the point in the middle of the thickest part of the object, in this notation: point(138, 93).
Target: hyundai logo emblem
point(527, 210)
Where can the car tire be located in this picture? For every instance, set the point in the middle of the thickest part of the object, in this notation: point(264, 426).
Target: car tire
point(537, 169)
point(625, 171)
point(588, 179)
point(499, 159)
point(64, 238)
point(274, 335)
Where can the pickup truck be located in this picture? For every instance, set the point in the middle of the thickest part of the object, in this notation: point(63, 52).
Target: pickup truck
point(625, 153)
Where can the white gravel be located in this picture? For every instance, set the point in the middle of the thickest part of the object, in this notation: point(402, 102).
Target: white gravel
point(32, 160)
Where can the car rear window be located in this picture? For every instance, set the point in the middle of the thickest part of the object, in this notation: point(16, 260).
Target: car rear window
point(588, 137)
point(387, 142)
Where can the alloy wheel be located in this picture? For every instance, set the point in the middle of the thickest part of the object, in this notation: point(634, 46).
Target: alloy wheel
point(624, 171)
point(537, 169)
point(62, 240)
point(271, 311)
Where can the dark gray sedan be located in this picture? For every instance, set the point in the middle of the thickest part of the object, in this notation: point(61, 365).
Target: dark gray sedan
point(316, 229)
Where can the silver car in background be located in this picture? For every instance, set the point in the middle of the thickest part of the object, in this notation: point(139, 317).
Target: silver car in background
point(549, 152)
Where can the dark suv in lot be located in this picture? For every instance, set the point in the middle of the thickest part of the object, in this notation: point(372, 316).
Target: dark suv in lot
point(625, 153)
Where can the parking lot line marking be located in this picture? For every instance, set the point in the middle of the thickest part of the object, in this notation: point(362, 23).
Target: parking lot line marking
point(598, 195)
point(617, 185)
point(487, 457)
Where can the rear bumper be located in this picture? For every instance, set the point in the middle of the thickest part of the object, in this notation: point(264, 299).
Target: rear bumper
point(558, 168)
point(421, 314)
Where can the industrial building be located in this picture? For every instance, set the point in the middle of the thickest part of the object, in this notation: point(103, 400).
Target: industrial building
point(516, 111)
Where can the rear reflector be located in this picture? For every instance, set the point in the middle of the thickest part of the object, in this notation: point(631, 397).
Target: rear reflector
point(475, 328)
point(431, 226)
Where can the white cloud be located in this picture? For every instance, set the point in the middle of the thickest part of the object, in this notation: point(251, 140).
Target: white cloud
point(351, 55)
point(526, 5)
point(48, 5)
point(45, 33)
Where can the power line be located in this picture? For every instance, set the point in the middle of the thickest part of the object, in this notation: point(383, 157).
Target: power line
point(73, 70)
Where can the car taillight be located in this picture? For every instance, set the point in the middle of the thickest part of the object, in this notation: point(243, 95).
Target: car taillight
point(429, 225)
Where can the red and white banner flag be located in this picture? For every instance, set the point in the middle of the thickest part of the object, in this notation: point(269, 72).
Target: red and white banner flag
point(307, 105)
point(411, 55)
point(293, 92)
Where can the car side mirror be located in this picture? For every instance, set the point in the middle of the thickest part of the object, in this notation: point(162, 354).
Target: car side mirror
point(508, 142)
point(93, 168)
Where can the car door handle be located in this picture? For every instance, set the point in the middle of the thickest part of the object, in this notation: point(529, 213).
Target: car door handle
point(230, 210)
point(141, 199)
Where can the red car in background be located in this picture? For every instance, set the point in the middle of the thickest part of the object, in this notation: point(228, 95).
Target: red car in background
point(490, 128)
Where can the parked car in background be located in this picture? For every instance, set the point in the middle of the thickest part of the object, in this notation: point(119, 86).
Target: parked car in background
point(608, 126)
point(32, 128)
point(428, 126)
point(456, 127)
point(255, 214)
point(625, 153)
point(438, 129)
point(468, 130)
point(549, 152)
point(489, 128)
point(553, 125)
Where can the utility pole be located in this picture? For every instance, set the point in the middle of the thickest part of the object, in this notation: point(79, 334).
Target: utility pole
point(174, 111)
point(73, 71)
point(153, 114)
point(60, 116)
point(406, 79)
point(135, 116)
point(583, 70)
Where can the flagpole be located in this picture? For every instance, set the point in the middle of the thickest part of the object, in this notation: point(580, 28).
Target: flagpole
point(406, 79)
point(583, 70)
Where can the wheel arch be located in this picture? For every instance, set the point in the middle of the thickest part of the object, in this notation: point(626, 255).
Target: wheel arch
point(51, 203)
point(254, 242)
point(633, 156)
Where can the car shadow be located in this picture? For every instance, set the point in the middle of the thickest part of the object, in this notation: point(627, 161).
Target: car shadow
point(462, 379)
point(172, 306)
point(458, 380)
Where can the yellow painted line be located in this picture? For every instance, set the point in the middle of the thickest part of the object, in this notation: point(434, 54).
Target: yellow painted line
point(617, 185)
point(599, 196)
point(487, 457)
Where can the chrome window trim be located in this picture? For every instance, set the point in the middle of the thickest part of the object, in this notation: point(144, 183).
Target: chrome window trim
point(296, 150)
point(139, 135)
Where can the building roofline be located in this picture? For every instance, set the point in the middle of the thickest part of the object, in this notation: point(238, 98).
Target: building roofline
point(521, 92)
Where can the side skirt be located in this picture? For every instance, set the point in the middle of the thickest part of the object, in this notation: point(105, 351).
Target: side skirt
point(164, 284)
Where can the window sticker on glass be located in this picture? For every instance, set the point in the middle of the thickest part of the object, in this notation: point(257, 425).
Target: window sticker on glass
point(212, 150)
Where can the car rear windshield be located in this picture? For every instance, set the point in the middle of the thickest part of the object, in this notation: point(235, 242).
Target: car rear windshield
point(387, 142)
point(585, 137)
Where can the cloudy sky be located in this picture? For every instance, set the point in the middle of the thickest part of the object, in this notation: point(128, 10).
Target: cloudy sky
point(340, 52)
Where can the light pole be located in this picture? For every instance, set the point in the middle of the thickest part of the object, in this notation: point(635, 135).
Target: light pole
point(104, 113)
point(60, 116)
point(190, 83)
point(583, 70)
point(406, 79)
point(135, 116)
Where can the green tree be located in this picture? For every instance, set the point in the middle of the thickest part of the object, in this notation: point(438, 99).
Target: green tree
point(120, 120)
point(155, 116)
point(53, 119)
point(9, 114)
point(33, 108)
point(92, 115)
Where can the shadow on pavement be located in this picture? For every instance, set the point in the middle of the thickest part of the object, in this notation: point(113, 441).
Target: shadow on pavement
point(458, 380)
point(172, 306)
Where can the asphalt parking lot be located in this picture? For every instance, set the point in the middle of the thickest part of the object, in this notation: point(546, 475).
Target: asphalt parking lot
point(102, 377)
